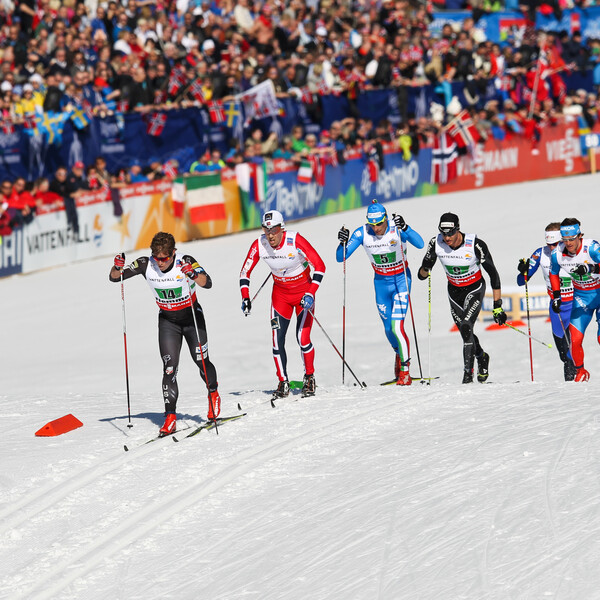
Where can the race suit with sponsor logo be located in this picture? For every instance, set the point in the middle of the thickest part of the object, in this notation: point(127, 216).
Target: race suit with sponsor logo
point(175, 295)
point(290, 265)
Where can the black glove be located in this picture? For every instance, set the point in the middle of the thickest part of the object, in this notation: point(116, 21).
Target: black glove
point(498, 313)
point(556, 301)
point(400, 223)
point(523, 266)
point(582, 270)
point(343, 235)
point(246, 306)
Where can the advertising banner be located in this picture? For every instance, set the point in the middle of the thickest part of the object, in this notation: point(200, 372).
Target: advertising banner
point(516, 159)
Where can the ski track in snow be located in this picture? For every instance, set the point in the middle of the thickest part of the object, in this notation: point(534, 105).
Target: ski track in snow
point(480, 492)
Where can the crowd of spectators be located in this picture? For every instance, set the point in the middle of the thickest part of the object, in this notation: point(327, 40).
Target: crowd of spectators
point(122, 56)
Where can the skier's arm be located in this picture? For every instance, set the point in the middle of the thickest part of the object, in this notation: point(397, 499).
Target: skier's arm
point(137, 267)
point(314, 259)
point(554, 274)
point(485, 260)
point(249, 263)
point(428, 260)
point(354, 242)
point(534, 263)
point(410, 235)
point(202, 278)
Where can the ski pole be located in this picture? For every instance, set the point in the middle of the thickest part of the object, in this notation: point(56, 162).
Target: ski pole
point(567, 336)
point(212, 407)
point(361, 384)
point(429, 328)
point(412, 316)
point(528, 335)
point(130, 424)
point(261, 287)
point(528, 321)
point(344, 321)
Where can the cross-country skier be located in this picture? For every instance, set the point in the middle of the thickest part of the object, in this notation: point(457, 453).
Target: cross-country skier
point(290, 258)
point(560, 321)
point(166, 270)
point(385, 243)
point(462, 255)
point(579, 257)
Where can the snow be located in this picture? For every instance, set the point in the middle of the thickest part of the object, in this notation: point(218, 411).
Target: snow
point(429, 492)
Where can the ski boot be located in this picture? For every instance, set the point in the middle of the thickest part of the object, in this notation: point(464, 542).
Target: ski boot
point(214, 405)
point(309, 387)
point(283, 390)
point(483, 363)
point(169, 426)
point(404, 378)
point(468, 376)
point(582, 374)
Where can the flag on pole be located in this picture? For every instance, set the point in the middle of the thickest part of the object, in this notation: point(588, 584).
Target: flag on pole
point(444, 157)
point(463, 130)
point(205, 198)
point(305, 172)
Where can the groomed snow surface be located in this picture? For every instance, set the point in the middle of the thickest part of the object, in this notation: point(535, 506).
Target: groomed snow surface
point(429, 492)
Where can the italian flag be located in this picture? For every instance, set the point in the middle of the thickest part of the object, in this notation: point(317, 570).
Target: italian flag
point(305, 172)
point(178, 197)
point(205, 198)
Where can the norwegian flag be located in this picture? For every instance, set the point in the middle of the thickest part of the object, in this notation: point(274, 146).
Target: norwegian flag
point(156, 124)
point(122, 106)
point(463, 130)
point(7, 127)
point(196, 91)
point(170, 169)
point(307, 96)
point(216, 112)
point(176, 81)
point(444, 157)
point(160, 97)
point(323, 89)
point(318, 169)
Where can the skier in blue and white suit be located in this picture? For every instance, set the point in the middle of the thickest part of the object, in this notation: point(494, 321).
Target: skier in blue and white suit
point(385, 243)
point(560, 321)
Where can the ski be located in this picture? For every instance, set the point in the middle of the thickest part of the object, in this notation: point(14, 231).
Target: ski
point(208, 425)
point(158, 437)
point(422, 379)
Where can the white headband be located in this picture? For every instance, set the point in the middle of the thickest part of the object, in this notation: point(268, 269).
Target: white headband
point(553, 237)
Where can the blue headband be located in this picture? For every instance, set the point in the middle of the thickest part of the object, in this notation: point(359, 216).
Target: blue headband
point(570, 231)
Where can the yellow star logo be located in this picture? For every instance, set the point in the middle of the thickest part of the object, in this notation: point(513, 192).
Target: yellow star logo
point(123, 226)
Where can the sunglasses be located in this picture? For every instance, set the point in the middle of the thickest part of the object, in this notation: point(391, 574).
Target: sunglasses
point(162, 259)
point(378, 222)
point(272, 230)
point(448, 232)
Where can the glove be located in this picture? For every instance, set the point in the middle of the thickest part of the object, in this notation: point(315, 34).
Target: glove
point(400, 223)
point(498, 313)
point(343, 235)
point(188, 270)
point(246, 306)
point(523, 266)
point(556, 301)
point(582, 270)
point(119, 261)
point(308, 301)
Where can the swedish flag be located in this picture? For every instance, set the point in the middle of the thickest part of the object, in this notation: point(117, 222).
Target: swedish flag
point(233, 113)
point(80, 118)
point(52, 126)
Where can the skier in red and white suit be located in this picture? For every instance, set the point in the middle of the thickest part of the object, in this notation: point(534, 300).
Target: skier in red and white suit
point(290, 258)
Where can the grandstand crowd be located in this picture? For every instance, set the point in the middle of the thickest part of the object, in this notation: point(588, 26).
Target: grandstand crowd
point(107, 57)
